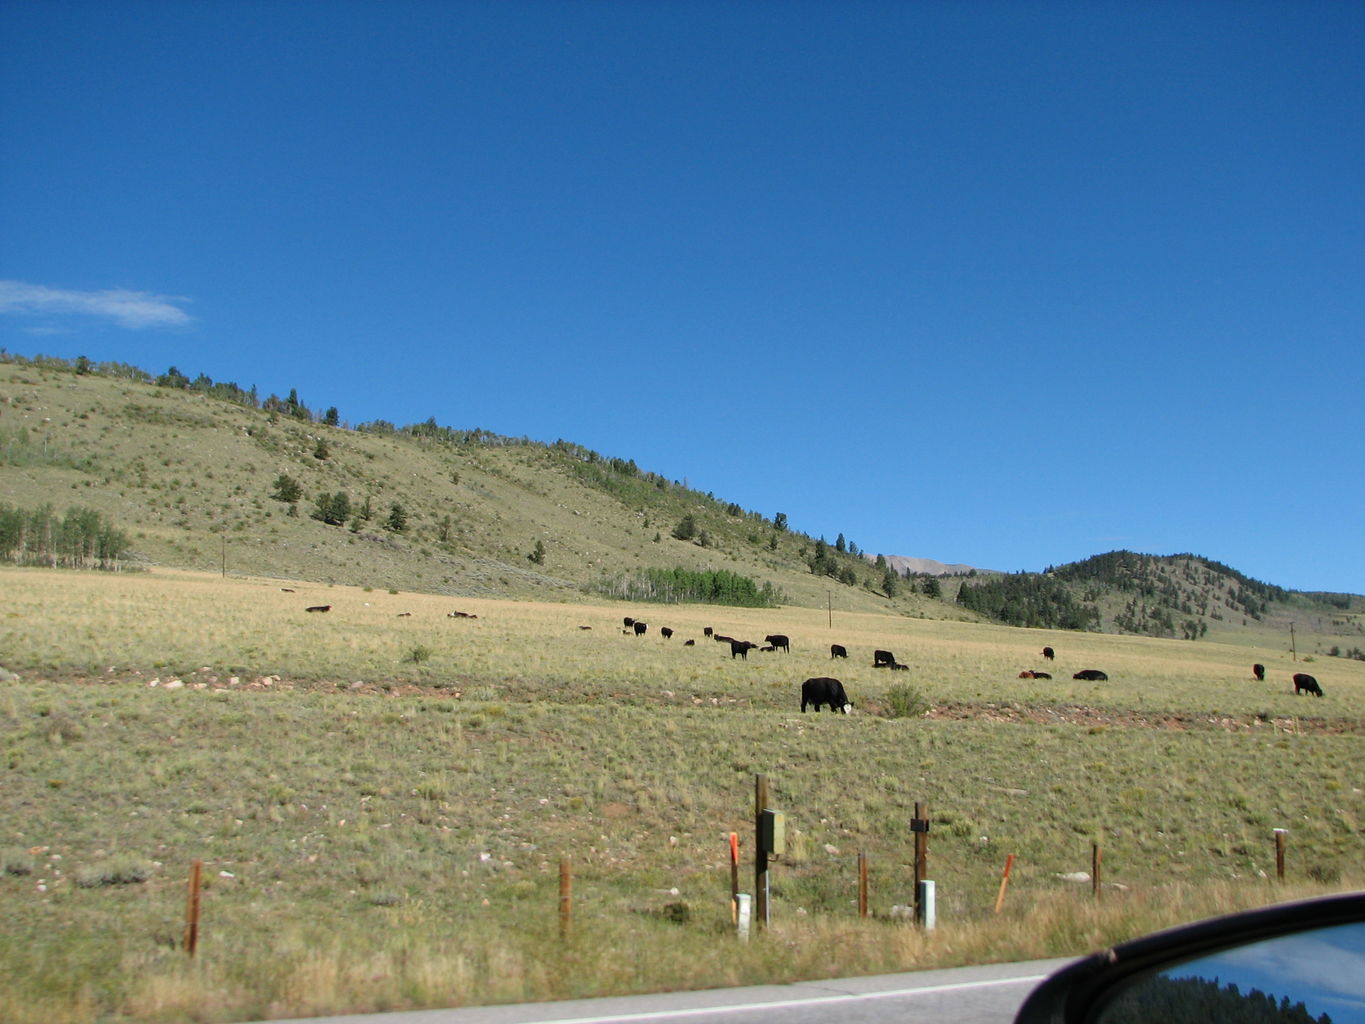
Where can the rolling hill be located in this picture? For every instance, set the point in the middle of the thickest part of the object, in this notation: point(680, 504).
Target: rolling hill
point(205, 475)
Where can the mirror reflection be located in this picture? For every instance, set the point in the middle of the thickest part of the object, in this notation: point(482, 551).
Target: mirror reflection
point(1312, 977)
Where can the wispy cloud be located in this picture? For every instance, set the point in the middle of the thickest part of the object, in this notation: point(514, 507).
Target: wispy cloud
point(129, 309)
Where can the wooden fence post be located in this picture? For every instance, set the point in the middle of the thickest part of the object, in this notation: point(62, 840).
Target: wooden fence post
point(760, 854)
point(192, 907)
point(565, 897)
point(862, 884)
point(1280, 836)
point(920, 827)
point(1096, 862)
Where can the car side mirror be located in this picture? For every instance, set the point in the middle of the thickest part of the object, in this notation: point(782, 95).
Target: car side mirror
point(1292, 963)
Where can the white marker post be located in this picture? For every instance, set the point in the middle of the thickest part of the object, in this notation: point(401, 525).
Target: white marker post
point(744, 906)
point(928, 911)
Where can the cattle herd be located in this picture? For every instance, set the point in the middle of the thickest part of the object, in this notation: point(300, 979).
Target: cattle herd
point(825, 691)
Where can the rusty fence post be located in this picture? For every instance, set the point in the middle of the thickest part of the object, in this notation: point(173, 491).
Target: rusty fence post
point(192, 907)
point(565, 897)
point(862, 884)
point(1281, 835)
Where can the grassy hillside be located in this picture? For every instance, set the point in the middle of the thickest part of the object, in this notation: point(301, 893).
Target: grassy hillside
point(190, 478)
point(191, 471)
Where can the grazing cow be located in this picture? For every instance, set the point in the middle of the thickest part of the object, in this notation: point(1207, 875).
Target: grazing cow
point(319, 608)
point(778, 640)
point(822, 691)
point(640, 627)
point(742, 648)
point(883, 659)
point(1092, 675)
point(1306, 683)
point(707, 631)
point(1049, 653)
point(838, 651)
point(689, 643)
point(665, 632)
point(628, 622)
point(1258, 670)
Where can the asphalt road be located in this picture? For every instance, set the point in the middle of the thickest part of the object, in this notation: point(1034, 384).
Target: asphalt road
point(987, 994)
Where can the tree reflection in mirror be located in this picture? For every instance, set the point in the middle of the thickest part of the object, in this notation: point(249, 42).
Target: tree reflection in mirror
point(1313, 977)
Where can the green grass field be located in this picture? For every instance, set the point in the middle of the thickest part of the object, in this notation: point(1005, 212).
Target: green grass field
point(382, 795)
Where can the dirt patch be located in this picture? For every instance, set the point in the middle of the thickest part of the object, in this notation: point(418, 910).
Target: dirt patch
point(1100, 718)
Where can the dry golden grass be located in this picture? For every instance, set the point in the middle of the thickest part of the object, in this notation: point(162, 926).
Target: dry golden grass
point(395, 844)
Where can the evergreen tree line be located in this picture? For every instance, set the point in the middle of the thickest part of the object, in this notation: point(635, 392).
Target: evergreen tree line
point(80, 539)
point(1206, 1000)
point(1028, 599)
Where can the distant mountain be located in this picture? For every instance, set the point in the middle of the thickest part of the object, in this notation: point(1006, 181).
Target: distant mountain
point(917, 566)
point(1181, 596)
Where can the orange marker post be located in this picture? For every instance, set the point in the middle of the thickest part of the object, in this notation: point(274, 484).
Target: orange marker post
point(1004, 882)
point(734, 877)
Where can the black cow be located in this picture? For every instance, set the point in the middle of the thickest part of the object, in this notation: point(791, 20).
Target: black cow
point(742, 648)
point(1258, 670)
point(707, 631)
point(1306, 683)
point(628, 622)
point(1049, 653)
point(883, 659)
point(823, 690)
point(718, 638)
point(778, 641)
point(640, 628)
point(319, 608)
point(665, 632)
point(689, 643)
point(838, 651)
point(1092, 675)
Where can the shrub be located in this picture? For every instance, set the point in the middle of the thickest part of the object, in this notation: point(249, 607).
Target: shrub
point(116, 871)
point(904, 701)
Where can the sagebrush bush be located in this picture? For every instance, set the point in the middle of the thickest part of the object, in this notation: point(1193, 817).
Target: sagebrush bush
point(904, 701)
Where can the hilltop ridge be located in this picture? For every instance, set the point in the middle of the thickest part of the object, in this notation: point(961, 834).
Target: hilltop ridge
point(206, 475)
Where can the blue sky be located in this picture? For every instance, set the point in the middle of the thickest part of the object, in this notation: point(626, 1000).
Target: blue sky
point(1008, 284)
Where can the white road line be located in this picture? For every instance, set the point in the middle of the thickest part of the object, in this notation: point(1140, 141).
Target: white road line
point(782, 1004)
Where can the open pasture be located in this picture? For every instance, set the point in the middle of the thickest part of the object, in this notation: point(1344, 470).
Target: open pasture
point(382, 794)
